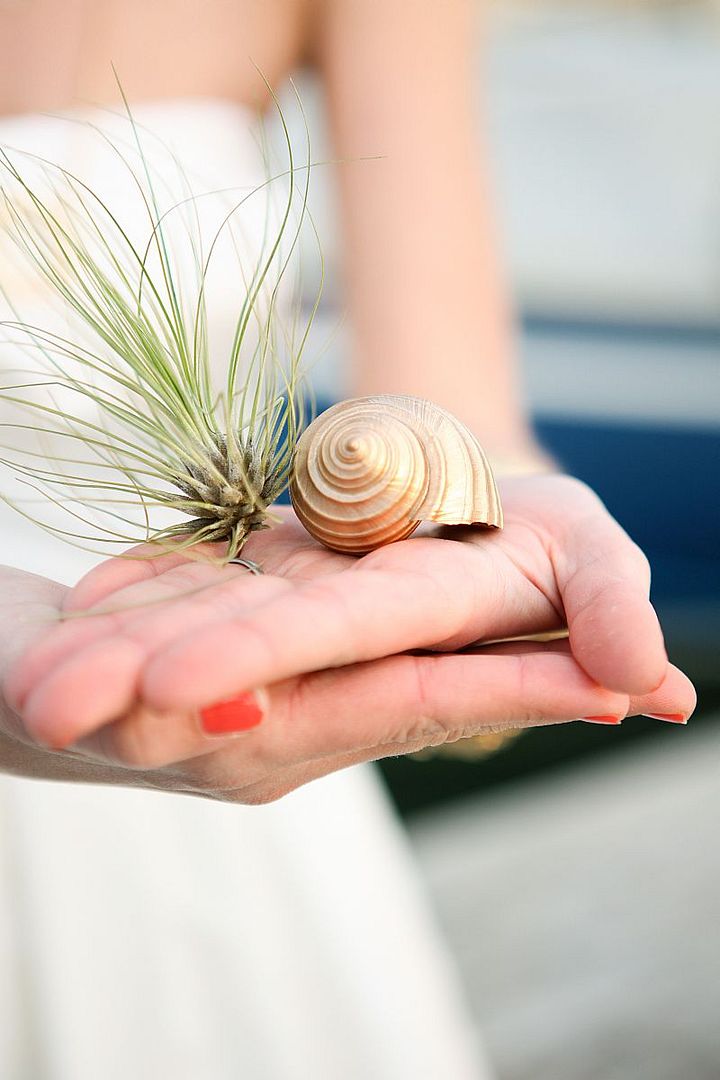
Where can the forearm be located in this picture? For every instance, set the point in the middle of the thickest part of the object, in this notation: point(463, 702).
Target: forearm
point(427, 299)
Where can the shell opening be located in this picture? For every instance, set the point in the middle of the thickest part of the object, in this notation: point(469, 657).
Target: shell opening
point(366, 472)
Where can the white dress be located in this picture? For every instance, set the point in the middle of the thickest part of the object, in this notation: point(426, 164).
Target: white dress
point(148, 935)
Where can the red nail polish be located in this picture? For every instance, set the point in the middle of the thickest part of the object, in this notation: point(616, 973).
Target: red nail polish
point(673, 717)
point(603, 719)
point(236, 714)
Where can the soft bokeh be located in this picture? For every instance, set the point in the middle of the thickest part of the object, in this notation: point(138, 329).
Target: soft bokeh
point(576, 871)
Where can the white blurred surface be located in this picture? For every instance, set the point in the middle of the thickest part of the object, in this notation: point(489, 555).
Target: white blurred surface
point(145, 935)
point(607, 154)
point(584, 910)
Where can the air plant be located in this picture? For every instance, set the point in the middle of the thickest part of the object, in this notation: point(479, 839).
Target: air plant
point(136, 437)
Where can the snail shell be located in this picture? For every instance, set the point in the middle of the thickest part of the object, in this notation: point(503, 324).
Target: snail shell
point(369, 470)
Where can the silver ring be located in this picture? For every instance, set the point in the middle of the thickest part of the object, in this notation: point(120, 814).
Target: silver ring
point(251, 566)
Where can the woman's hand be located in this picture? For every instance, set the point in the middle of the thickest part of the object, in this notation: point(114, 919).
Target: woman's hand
point(28, 603)
point(323, 640)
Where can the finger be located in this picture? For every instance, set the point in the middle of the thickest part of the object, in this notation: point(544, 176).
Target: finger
point(229, 770)
point(82, 675)
point(431, 590)
point(30, 607)
point(374, 610)
point(130, 584)
point(139, 564)
point(674, 699)
point(604, 580)
point(134, 581)
point(147, 739)
point(285, 548)
point(402, 700)
point(150, 612)
point(372, 710)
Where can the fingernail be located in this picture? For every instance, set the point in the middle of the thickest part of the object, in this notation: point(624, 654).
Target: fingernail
point(240, 713)
point(672, 717)
point(602, 719)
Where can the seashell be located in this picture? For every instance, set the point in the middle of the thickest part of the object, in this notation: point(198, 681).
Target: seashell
point(369, 470)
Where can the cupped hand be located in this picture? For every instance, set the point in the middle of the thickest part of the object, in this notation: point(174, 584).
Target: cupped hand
point(323, 641)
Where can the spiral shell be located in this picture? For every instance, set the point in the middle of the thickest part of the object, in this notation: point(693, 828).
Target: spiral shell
point(369, 470)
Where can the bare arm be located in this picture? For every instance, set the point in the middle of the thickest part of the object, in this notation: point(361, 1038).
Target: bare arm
point(155, 694)
point(425, 285)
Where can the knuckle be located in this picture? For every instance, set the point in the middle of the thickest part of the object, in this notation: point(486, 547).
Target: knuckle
point(130, 743)
point(226, 775)
point(263, 795)
point(425, 724)
point(349, 626)
point(428, 733)
point(639, 560)
point(581, 490)
point(260, 793)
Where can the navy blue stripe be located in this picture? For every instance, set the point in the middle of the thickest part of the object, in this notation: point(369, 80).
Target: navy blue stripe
point(619, 330)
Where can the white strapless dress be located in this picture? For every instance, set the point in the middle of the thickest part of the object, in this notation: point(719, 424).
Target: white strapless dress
point(146, 935)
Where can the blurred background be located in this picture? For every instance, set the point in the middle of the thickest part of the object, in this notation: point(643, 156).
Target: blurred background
point(576, 871)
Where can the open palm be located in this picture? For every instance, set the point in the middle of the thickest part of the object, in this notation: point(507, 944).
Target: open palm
point(349, 655)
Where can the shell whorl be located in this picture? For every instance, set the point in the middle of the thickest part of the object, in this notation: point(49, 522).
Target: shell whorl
point(367, 471)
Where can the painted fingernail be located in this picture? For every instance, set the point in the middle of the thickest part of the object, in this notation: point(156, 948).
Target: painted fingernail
point(672, 717)
point(603, 719)
point(240, 713)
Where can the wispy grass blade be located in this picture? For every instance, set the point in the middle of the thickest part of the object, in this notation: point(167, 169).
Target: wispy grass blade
point(125, 402)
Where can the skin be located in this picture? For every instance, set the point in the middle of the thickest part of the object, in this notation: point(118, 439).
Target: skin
point(58, 54)
point(123, 687)
point(352, 659)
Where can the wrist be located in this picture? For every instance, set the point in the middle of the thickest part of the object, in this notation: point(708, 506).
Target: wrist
point(521, 456)
point(523, 463)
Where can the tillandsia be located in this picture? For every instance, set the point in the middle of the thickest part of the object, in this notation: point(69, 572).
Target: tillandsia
point(131, 420)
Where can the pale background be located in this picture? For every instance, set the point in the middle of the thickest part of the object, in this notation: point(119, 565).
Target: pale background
point(583, 905)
